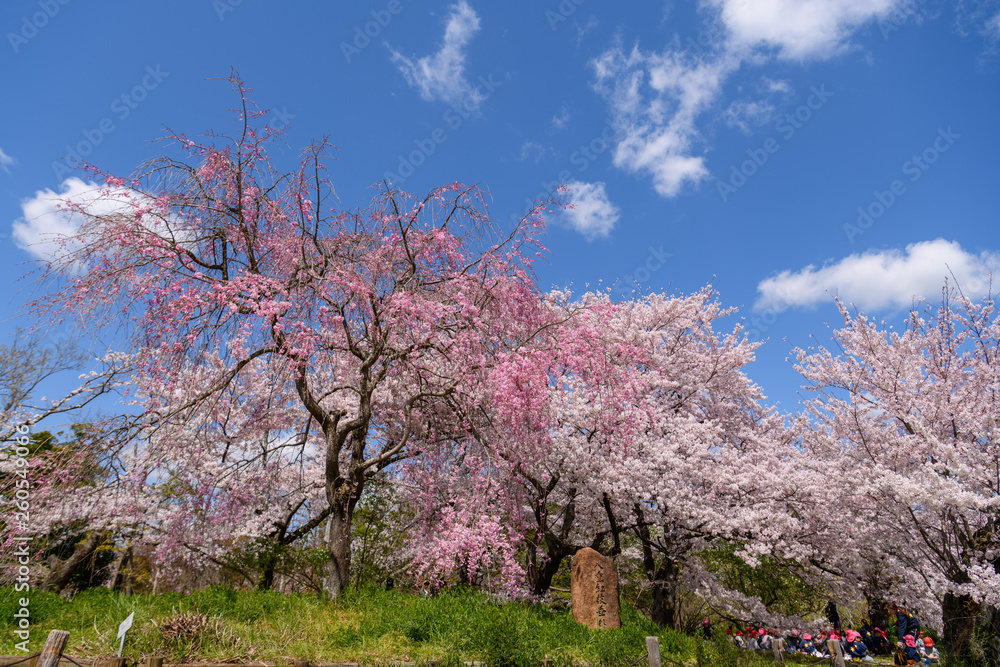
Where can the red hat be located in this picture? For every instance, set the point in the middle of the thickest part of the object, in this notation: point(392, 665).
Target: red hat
point(704, 620)
point(795, 633)
point(807, 636)
point(928, 642)
point(739, 633)
point(909, 641)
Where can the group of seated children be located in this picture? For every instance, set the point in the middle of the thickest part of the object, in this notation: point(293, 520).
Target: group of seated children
point(912, 647)
point(852, 643)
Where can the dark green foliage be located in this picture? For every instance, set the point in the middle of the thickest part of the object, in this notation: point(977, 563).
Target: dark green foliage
point(781, 591)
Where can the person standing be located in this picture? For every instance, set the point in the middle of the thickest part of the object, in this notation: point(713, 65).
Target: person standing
point(833, 615)
point(906, 624)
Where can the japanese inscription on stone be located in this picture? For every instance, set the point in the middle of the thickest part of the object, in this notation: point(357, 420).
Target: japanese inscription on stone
point(594, 589)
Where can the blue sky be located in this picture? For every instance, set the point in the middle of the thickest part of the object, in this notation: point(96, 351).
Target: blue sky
point(781, 150)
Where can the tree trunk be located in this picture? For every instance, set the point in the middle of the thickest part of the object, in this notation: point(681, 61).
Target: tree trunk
point(991, 640)
point(115, 571)
point(878, 608)
point(961, 616)
point(338, 540)
point(543, 575)
point(63, 570)
point(665, 608)
point(266, 581)
point(117, 579)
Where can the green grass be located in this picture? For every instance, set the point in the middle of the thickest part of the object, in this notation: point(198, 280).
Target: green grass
point(371, 627)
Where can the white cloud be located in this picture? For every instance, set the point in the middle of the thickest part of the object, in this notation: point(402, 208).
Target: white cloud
point(560, 119)
point(533, 151)
point(592, 213)
point(979, 17)
point(755, 111)
point(748, 115)
point(441, 75)
point(48, 229)
point(991, 36)
point(657, 98)
point(880, 280)
point(45, 229)
point(582, 30)
point(798, 29)
point(993, 26)
point(778, 86)
point(6, 161)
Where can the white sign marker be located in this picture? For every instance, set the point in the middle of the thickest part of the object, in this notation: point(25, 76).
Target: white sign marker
point(122, 629)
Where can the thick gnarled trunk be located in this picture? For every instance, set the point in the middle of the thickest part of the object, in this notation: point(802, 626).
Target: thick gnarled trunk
point(541, 575)
point(875, 588)
point(119, 578)
point(961, 617)
point(63, 570)
point(665, 610)
point(338, 540)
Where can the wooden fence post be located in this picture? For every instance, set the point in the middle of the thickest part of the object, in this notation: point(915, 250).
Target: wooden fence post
point(778, 646)
point(836, 652)
point(52, 651)
point(653, 651)
point(301, 663)
point(154, 662)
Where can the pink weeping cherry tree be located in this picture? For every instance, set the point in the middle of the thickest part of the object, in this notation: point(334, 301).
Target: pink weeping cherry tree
point(358, 329)
point(620, 422)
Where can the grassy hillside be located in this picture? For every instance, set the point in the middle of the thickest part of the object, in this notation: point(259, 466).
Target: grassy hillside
point(371, 627)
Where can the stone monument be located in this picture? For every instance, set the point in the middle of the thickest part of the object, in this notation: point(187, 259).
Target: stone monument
point(594, 590)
